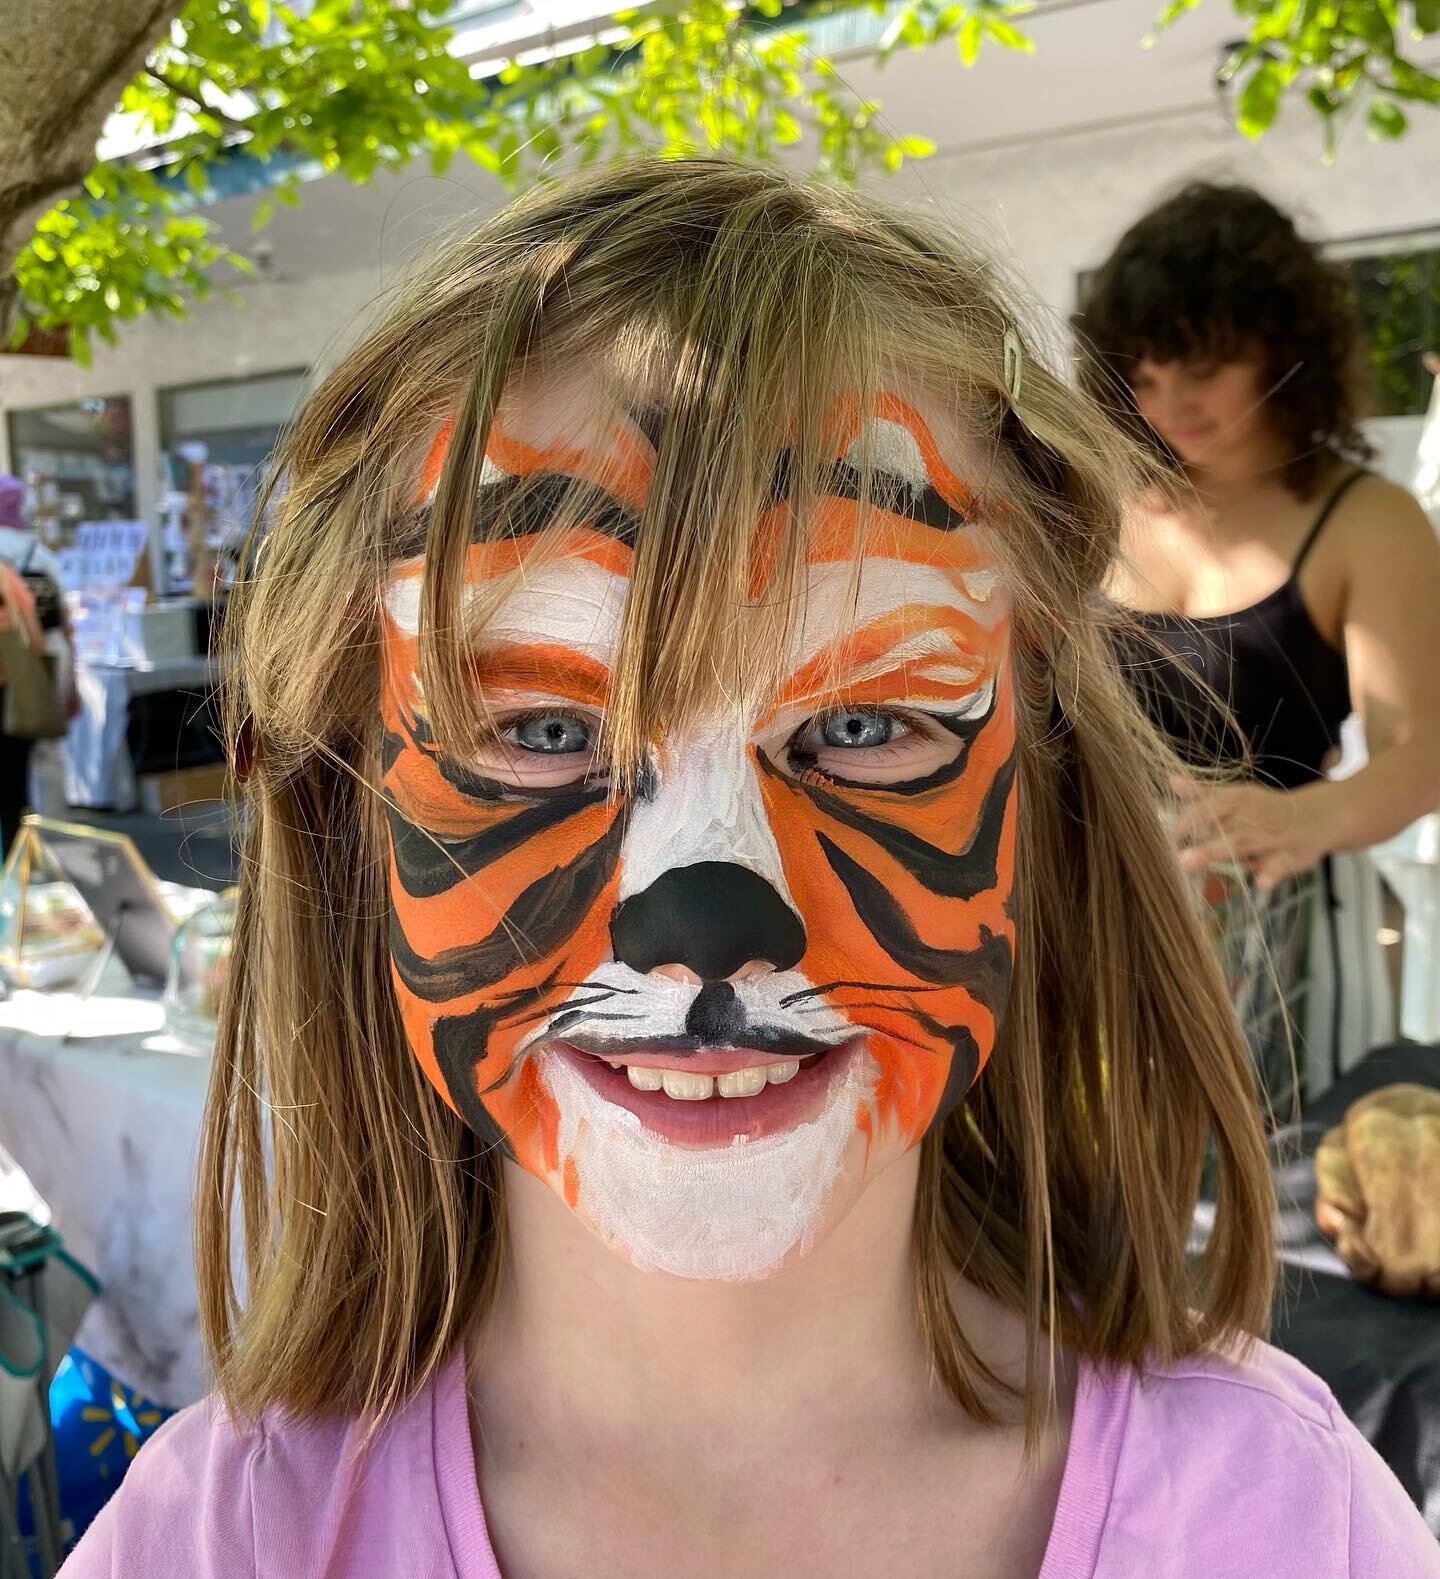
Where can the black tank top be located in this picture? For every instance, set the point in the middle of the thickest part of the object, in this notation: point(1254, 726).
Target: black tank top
point(1287, 687)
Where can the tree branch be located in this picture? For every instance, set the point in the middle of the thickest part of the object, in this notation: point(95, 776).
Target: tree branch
point(194, 100)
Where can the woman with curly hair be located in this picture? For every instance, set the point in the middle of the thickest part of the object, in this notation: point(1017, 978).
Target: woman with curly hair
point(1276, 585)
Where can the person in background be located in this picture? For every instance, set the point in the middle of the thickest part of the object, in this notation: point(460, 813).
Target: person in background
point(34, 593)
point(1284, 580)
point(1272, 586)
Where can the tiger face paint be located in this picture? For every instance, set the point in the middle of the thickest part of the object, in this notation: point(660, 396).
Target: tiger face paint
point(708, 1011)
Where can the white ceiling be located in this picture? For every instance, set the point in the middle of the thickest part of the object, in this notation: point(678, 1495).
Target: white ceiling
point(1088, 70)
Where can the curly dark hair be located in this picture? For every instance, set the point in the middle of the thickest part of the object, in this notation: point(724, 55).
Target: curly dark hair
point(1213, 273)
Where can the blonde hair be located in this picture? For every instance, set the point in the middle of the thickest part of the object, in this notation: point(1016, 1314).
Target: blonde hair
point(372, 1219)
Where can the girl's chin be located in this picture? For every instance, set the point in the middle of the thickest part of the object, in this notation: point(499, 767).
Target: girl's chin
point(701, 1249)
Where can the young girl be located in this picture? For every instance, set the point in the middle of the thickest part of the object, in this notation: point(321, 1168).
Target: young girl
point(720, 1055)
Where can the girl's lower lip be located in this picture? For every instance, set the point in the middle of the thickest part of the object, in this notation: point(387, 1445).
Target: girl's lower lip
point(717, 1120)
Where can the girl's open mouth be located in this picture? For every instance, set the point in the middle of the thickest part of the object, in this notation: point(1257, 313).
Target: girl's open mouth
point(715, 1097)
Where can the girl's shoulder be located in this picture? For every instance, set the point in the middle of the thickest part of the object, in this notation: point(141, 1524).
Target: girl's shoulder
point(1240, 1459)
point(210, 1497)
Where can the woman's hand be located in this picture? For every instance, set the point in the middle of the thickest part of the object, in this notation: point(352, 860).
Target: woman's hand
point(1377, 1180)
point(1276, 833)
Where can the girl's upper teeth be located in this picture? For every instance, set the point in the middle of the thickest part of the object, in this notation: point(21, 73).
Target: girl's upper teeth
point(687, 1087)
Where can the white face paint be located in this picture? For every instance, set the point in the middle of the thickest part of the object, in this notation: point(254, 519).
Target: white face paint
point(719, 1213)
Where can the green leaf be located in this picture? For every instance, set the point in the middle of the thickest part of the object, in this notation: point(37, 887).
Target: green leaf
point(1412, 82)
point(967, 40)
point(1167, 18)
point(1259, 100)
point(787, 128)
point(1385, 120)
point(1010, 37)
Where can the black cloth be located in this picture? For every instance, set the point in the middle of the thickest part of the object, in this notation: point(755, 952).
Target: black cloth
point(1379, 1356)
point(1286, 686)
point(14, 783)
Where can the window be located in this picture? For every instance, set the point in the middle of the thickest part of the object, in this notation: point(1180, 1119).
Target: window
point(1397, 291)
point(79, 461)
point(237, 419)
point(215, 441)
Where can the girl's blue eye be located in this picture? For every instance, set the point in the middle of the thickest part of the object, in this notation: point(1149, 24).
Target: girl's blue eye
point(556, 734)
point(856, 727)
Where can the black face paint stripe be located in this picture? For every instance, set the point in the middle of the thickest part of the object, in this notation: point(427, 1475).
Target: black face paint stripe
point(964, 1061)
point(428, 865)
point(522, 506)
point(895, 495)
point(949, 874)
point(539, 921)
point(936, 780)
point(460, 1041)
point(983, 971)
point(888, 491)
point(392, 747)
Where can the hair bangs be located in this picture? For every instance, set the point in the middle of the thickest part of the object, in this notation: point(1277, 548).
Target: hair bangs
point(749, 411)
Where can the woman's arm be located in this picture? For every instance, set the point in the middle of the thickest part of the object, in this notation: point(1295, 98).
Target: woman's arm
point(1392, 646)
point(1391, 631)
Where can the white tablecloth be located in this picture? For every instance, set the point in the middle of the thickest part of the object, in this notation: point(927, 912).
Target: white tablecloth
point(103, 1129)
point(98, 770)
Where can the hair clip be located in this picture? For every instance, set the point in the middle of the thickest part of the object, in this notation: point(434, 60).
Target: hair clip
point(1014, 364)
point(243, 753)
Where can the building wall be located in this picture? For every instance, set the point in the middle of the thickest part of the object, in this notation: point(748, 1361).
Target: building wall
point(1055, 205)
point(267, 326)
point(1050, 205)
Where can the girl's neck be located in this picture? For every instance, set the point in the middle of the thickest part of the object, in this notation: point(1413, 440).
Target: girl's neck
point(586, 1347)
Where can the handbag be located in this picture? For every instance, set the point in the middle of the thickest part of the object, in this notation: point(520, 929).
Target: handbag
point(34, 708)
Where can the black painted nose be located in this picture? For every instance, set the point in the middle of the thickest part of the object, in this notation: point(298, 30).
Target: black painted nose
point(712, 918)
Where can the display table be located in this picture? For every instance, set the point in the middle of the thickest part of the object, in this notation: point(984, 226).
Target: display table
point(98, 770)
point(104, 1127)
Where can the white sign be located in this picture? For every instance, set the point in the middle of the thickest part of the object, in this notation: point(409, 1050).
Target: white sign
point(103, 557)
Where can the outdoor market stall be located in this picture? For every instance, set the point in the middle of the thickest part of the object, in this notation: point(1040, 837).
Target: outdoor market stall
point(104, 1058)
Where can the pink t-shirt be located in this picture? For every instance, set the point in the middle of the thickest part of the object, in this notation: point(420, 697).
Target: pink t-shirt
point(1211, 1469)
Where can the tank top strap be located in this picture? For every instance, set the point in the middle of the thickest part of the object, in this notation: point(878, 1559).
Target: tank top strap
point(1326, 511)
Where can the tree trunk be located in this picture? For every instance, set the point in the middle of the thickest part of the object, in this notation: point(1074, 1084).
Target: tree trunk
point(63, 68)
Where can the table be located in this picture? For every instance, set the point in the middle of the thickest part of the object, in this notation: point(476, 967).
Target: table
point(98, 771)
point(1379, 1356)
point(104, 1130)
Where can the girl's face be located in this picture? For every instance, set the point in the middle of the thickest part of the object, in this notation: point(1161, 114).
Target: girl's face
point(1201, 409)
point(707, 1011)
